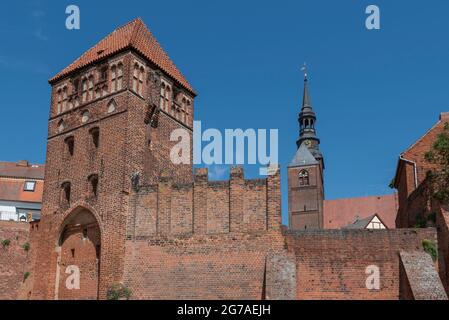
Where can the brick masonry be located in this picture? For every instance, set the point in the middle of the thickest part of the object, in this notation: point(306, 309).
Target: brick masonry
point(15, 261)
point(422, 278)
point(331, 264)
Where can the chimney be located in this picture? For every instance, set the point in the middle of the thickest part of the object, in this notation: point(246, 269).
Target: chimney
point(444, 116)
point(22, 163)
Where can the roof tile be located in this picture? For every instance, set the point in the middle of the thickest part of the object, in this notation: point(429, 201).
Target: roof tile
point(133, 35)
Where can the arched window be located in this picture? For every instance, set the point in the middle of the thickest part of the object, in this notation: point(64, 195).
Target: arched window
point(119, 76)
point(163, 97)
point(59, 100)
point(91, 87)
point(65, 193)
point(167, 98)
point(70, 145)
point(304, 178)
point(141, 76)
point(93, 185)
point(84, 90)
point(64, 99)
point(113, 78)
point(95, 136)
point(136, 78)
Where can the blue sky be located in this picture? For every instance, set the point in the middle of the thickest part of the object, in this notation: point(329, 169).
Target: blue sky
point(374, 92)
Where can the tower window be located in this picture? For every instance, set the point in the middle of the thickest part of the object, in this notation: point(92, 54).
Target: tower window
point(304, 178)
point(136, 77)
point(167, 99)
point(76, 83)
point(104, 74)
point(70, 145)
point(66, 193)
point(141, 75)
point(119, 76)
point(93, 185)
point(64, 99)
point(163, 97)
point(84, 90)
point(91, 87)
point(59, 99)
point(95, 135)
point(113, 78)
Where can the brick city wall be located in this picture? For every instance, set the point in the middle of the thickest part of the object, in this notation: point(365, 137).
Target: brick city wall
point(207, 240)
point(15, 261)
point(331, 264)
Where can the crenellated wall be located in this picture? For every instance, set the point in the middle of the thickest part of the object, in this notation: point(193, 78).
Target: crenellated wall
point(205, 207)
point(208, 240)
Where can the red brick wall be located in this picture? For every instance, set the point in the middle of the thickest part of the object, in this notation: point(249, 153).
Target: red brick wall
point(331, 264)
point(217, 250)
point(237, 205)
point(14, 260)
point(226, 266)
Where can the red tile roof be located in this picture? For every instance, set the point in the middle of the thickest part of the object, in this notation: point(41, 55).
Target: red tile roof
point(133, 35)
point(13, 190)
point(343, 212)
point(22, 169)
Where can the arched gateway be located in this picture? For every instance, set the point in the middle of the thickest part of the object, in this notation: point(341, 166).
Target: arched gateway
point(79, 252)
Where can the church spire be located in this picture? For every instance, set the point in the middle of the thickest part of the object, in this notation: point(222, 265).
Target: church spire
point(307, 120)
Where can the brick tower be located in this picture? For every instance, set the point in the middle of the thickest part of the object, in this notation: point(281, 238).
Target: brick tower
point(111, 116)
point(305, 173)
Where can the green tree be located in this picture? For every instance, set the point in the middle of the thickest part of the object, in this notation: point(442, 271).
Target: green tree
point(439, 176)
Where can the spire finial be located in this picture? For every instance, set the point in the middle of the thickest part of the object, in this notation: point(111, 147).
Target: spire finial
point(304, 69)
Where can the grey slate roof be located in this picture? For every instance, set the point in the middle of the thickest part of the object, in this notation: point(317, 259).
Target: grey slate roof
point(303, 157)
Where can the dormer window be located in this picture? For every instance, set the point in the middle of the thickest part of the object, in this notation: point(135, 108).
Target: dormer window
point(304, 178)
point(29, 186)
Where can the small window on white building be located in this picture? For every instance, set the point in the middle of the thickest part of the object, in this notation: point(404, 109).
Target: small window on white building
point(30, 186)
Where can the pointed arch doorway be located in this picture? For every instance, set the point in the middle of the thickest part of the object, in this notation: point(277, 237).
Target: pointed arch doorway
point(79, 255)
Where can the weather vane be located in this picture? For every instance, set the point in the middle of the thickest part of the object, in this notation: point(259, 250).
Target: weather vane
point(304, 69)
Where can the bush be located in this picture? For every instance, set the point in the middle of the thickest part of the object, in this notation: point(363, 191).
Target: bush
point(25, 276)
point(431, 248)
point(26, 247)
point(118, 292)
point(6, 243)
point(421, 222)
